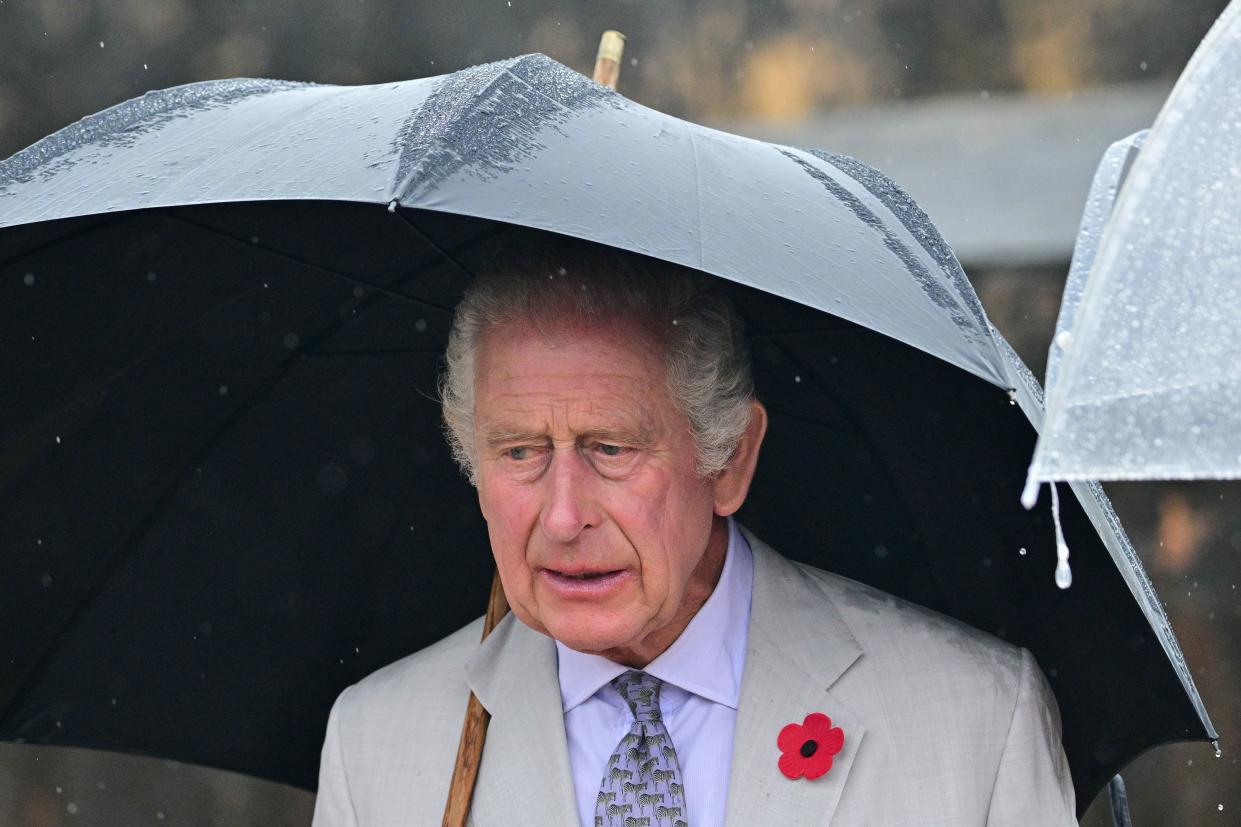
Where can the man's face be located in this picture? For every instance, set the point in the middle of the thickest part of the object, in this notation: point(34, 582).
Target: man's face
point(587, 479)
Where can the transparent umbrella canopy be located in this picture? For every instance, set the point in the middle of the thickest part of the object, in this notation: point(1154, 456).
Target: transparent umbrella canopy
point(1144, 374)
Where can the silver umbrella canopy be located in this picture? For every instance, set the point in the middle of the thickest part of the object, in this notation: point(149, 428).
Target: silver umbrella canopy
point(882, 372)
point(1144, 375)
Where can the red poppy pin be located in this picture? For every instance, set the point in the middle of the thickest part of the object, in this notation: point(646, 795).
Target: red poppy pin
point(808, 748)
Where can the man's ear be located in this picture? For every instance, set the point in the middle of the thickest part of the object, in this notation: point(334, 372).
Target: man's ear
point(733, 483)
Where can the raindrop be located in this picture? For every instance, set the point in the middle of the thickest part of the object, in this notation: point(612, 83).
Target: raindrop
point(159, 815)
point(28, 279)
point(101, 44)
point(291, 341)
point(361, 450)
point(420, 325)
point(1022, 552)
point(1064, 574)
point(332, 479)
point(72, 808)
point(881, 551)
point(1142, 66)
point(358, 292)
point(57, 440)
point(151, 277)
point(46, 580)
point(254, 239)
point(144, 66)
point(796, 378)
point(1064, 339)
point(1219, 807)
point(223, 390)
point(633, 61)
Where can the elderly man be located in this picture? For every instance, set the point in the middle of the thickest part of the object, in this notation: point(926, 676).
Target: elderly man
point(661, 666)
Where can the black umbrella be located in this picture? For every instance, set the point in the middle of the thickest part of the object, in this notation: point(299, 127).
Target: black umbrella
point(224, 490)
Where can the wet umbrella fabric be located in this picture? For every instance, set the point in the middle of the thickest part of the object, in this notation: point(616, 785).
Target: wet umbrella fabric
point(1148, 383)
point(225, 493)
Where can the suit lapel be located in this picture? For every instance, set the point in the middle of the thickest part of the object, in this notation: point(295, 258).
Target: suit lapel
point(524, 777)
point(798, 647)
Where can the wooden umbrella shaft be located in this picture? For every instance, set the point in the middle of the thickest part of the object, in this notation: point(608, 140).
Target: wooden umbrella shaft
point(474, 730)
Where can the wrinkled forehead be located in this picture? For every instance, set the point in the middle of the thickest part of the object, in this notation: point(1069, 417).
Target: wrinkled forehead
point(629, 335)
point(599, 374)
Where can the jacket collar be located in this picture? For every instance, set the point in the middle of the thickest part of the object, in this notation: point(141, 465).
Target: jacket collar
point(524, 777)
point(798, 647)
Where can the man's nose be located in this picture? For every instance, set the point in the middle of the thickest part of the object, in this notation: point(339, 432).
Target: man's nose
point(570, 507)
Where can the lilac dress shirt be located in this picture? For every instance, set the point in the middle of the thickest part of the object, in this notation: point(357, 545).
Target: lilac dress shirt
point(701, 671)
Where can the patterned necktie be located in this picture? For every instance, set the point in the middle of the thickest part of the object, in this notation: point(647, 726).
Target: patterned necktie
point(642, 784)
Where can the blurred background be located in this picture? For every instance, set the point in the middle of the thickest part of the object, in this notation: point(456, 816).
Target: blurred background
point(992, 113)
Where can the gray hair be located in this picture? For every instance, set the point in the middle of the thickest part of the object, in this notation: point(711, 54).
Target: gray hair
point(545, 280)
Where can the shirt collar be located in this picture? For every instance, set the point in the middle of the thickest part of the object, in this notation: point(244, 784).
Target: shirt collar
point(706, 660)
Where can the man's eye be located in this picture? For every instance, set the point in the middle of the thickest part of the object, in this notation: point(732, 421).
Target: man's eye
point(518, 454)
point(609, 450)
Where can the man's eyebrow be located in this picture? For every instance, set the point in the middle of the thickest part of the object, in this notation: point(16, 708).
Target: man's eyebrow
point(502, 435)
point(639, 436)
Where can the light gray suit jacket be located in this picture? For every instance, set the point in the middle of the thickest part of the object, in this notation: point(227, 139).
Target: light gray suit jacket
point(944, 725)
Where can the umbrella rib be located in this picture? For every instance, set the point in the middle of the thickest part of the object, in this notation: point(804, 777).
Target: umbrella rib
point(109, 221)
point(378, 288)
point(396, 209)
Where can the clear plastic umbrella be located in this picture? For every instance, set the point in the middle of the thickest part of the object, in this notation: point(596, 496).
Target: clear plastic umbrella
point(1144, 375)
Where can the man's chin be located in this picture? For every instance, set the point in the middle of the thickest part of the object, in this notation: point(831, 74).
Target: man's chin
point(590, 641)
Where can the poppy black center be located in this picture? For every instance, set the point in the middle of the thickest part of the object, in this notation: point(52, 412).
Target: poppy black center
point(809, 748)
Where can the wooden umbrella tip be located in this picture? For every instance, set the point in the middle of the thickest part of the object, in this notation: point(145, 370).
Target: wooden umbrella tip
point(608, 59)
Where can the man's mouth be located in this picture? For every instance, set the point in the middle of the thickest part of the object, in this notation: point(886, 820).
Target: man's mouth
point(592, 583)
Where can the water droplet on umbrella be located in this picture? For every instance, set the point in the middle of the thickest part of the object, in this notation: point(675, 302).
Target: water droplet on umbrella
point(28, 279)
point(1064, 574)
point(420, 325)
point(1022, 552)
point(291, 341)
point(46, 580)
point(223, 390)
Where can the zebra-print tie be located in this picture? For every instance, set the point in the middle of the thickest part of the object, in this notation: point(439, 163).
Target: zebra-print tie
point(642, 784)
